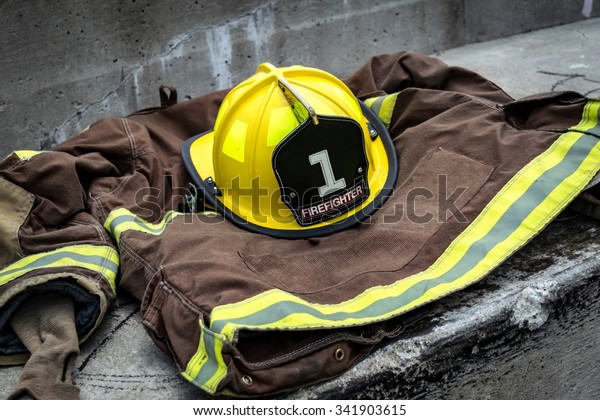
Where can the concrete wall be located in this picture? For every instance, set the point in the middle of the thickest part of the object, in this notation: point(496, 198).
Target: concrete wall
point(67, 63)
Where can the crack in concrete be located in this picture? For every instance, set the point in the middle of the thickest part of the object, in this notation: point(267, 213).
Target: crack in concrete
point(63, 131)
point(106, 339)
point(566, 77)
point(71, 125)
point(186, 36)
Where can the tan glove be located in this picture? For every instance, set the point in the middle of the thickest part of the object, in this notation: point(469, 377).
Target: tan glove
point(45, 323)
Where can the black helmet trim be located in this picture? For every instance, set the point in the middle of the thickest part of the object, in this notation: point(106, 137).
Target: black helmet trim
point(210, 191)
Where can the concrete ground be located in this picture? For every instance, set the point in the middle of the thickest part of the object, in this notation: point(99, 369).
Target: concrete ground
point(529, 330)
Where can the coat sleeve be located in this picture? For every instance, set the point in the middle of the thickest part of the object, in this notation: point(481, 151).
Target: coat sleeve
point(51, 240)
point(394, 72)
point(55, 206)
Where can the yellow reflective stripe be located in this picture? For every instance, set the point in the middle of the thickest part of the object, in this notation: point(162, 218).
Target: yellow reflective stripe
point(531, 224)
point(369, 101)
point(26, 154)
point(259, 312)
point(101, 259)
point(387, 108)
point(383, 106)
point(121, 220)
point(206, 369)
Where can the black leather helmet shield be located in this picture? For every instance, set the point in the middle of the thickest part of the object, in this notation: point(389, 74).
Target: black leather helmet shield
point(322, 169)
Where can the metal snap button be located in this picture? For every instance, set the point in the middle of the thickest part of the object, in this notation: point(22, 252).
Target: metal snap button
point(247, 380)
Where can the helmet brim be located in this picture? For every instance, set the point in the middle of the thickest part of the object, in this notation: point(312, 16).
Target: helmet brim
point(197, 154)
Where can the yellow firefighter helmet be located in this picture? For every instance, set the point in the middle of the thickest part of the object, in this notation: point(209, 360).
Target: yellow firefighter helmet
point(293, 154)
